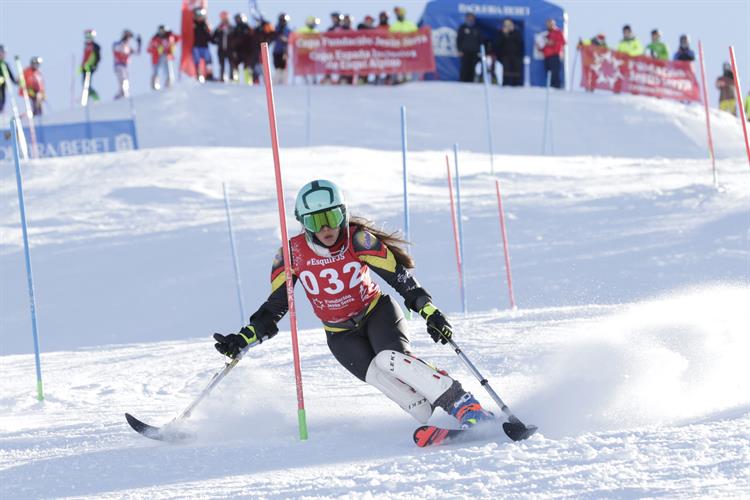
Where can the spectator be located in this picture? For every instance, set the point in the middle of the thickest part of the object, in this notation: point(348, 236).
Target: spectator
point(509, 50)
point(5, 75)
point(554, 42)
point(383, 21)
point(34, 85)
point(241, 41)
point(311, 23)
point(221, 37)
point(346, 23)
point(263, 33)
point(280, 44)
point(336, 19)
point(201, 39)
point(91, 57)
point(657, 49)
point(402, 25)
point(725, 84)
point(595, 41)
point(468, 44)
point(684, 52)
point(629, 43)
point(368, 23)
point(161, 47)
point(121, 51)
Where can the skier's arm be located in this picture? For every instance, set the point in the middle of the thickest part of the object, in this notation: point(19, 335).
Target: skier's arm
point(262, 325)
point(383, 262)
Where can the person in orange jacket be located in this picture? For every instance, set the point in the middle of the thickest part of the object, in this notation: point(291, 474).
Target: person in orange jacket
point(34, 85)
point(162, 47)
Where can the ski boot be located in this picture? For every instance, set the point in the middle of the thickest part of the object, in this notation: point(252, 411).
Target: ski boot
point(468, 411)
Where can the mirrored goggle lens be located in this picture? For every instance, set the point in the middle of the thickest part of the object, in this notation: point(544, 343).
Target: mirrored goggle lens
point(331, 218)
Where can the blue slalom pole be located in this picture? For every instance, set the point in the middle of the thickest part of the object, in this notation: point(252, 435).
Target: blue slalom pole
point(546, 114)
point(27, 255)
point(460, 228)
point(132, 116)
point(485, 77)
point(235, 260)
point(403, 156)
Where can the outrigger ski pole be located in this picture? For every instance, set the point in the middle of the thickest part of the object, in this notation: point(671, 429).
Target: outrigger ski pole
point(165, 432)
point(514, 428)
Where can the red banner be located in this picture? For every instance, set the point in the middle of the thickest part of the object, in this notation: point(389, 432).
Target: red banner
point(609, 70)
point(362, 52)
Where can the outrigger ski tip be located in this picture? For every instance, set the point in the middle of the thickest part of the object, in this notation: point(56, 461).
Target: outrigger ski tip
point(157, 433)
point(430, 435)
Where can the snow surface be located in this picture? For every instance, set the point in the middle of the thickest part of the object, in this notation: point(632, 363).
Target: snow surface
point(631, 271)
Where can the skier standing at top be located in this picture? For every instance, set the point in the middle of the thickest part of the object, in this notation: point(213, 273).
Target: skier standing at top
point(32, 75)
point(365, 328)
point(122, 50)
point(91, 57)
point(161, 47)
point(201, 38)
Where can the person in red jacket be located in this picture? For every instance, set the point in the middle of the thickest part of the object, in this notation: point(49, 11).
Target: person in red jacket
point(34, 85)
point(162, 47)
point(365, 328)
point(121, 52)
point(553, 44)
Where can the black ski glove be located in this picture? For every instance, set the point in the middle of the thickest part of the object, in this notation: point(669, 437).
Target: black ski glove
point(437, 326)
point(231, 345)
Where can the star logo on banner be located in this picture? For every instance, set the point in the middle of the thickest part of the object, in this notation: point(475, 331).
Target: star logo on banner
point(606, 67)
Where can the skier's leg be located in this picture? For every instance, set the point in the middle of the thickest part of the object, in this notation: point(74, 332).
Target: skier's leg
point(403, 395)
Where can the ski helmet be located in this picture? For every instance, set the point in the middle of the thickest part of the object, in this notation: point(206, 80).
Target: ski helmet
point(89, 34)
point(284, 18)
point(312, 21)
point(36, 61)
point(199, 12)
point(320, 203)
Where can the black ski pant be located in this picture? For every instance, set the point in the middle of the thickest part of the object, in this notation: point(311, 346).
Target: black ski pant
point(552, 65)
point(384, 329)
point(468, 66)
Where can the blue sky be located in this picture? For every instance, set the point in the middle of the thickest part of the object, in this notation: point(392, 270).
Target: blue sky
point(53, 29)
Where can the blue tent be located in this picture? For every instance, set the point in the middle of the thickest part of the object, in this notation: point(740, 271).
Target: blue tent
point(530, 16)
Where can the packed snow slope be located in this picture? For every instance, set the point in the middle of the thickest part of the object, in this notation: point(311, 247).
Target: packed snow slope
point(629, 347)
point(438, 115)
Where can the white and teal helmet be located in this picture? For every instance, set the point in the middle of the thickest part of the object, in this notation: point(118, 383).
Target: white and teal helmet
point(320, 203)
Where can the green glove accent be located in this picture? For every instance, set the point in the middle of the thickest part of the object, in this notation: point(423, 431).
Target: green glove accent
point(248, 333)
point(427, 310)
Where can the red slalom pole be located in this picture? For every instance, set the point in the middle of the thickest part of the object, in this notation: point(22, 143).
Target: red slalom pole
point(455, 233)
point(738, 89)
point(301, 418)
point(708, 119)
point(505, 245)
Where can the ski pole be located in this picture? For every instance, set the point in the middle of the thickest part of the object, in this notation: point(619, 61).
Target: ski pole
point(218, 376)
point(514, 428)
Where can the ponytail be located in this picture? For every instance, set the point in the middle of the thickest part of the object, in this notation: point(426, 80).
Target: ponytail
point(393, 241)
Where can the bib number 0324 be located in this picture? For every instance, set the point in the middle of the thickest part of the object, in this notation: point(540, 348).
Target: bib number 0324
point(330, 280)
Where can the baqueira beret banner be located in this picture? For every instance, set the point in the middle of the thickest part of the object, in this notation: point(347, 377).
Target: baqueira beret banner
point(362, 52)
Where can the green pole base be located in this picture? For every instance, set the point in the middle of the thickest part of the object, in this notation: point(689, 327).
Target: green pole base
point(302, 422)
point(39, 390)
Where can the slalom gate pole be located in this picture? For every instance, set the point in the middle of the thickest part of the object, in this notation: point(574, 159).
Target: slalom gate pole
point(16, 121)
point(460, 227)
point(27, 256)
point(708, 116)
point(573, 71)
point(738, 90)
point(508, 275)
point(301, 417)
point(235, 260)
point(546, 114)
point(485, 78)
point(29, 111)
point(456, 239)
point(407, 232)
point(132, 117)
point(406, 173)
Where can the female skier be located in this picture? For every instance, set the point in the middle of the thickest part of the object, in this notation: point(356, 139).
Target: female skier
point(365, 328)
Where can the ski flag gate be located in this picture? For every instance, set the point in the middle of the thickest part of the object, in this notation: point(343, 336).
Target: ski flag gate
point(609, 70)
point(362, 52)
point(71, 139)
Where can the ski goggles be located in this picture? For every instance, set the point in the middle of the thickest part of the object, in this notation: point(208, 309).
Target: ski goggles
point(333, 217)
